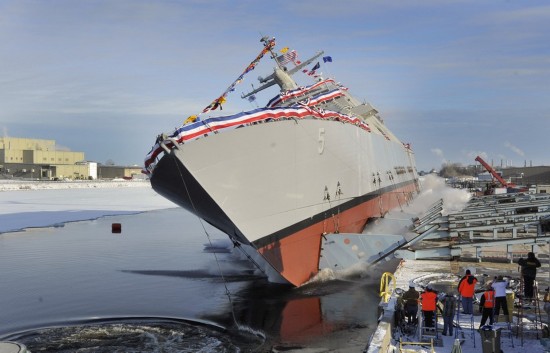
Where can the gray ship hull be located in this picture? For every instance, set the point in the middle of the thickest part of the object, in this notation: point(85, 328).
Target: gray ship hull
point(280, 186)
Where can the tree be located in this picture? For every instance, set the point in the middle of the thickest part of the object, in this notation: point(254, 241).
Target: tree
point(449, 170)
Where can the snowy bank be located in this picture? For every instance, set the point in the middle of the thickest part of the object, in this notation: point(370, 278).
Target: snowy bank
point(45, 204)
point(14, 185)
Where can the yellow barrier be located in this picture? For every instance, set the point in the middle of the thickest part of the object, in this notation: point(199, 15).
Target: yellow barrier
point(385, 292)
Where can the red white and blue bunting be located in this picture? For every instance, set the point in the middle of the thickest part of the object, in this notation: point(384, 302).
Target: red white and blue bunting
point(298, 92)
point(202, 128)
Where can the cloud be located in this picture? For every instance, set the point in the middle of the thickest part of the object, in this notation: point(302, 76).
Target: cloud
point(516, 149)
point(524, 16)
point(438, 152)
point(473, 154)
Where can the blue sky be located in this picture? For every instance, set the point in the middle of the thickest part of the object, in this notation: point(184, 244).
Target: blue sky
point(456, 79)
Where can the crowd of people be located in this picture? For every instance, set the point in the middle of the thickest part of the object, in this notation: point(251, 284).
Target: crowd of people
point(491, 302)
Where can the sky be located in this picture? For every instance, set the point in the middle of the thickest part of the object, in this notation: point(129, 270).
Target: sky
point(456, 78)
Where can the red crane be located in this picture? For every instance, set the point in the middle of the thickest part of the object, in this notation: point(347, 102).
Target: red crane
point(494, 173)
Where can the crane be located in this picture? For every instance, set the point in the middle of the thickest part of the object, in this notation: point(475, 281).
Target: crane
point(494, 173)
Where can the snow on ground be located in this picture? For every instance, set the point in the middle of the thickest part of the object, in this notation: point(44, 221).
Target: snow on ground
point(42, 204)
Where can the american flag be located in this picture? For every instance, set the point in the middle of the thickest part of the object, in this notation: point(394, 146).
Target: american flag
point(289, 56)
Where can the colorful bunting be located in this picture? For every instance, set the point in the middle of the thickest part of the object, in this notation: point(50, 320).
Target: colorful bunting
point(327, 59)
point(222, 99)
point(190, 119)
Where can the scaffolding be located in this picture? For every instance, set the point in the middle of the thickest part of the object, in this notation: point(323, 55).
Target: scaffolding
point(496, 220)
point(528, 313)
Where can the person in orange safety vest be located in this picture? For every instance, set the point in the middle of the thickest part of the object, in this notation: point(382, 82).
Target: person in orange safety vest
point(429, 301)
point(487, 305)
point(466, 288)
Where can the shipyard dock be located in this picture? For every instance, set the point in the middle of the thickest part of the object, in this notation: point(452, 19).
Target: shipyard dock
point(445, 274)
point(487, 237)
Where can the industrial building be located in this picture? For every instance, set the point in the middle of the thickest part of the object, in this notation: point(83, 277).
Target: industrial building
point(39, 159)
point(527, 175)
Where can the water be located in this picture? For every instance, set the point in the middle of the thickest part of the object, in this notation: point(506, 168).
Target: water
point(156, 287)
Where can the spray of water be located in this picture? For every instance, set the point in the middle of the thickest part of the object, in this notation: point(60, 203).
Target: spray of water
point(398, 221)
point(433, 189)
point(250, 331)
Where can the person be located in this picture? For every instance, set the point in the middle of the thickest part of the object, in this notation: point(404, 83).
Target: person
point(466, 288)
point(449, 307)
point(529, 273)
point(429, 303)
point(486, 306)
point(410, 299)
point(499, 285)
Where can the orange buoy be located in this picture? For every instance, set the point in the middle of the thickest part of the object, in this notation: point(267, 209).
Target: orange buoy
point(116, 228)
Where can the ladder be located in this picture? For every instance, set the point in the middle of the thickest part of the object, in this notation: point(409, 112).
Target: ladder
point(506, 326)
point(458, 323)
point(430, 333)
point(505, 329)
point(530, 308)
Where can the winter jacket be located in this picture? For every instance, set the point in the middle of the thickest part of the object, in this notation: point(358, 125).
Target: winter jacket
point(429, 300)
point(529, 266)
point(467, 285)
point(411, 297)
point(500, 288)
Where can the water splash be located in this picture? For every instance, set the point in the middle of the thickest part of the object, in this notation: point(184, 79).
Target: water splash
point(433, 189)
point(249, 330)
point(134, 336)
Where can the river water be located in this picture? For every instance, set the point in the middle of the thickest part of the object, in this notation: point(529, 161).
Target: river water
point(157, 287)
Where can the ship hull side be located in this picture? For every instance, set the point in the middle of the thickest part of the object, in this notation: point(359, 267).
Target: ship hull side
point(296, 255)
point(279, 185)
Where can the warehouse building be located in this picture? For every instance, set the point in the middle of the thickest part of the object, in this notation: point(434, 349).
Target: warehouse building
point(39, 159)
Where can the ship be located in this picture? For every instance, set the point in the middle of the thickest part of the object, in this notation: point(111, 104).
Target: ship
point(280, 178)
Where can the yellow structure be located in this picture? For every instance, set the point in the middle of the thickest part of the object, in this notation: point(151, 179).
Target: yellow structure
point(385, 288)
point(39, 159)
point(113, 171)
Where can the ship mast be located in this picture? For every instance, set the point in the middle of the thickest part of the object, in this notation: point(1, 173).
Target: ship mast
point(281, 73)
point(265, 40)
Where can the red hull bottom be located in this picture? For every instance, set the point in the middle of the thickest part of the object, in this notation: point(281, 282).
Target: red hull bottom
point(296, 256)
